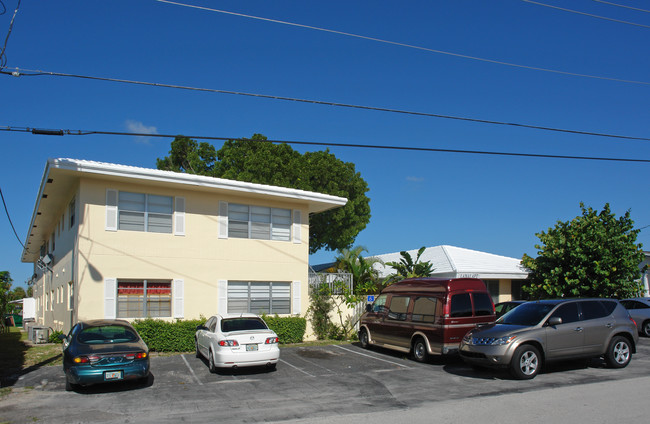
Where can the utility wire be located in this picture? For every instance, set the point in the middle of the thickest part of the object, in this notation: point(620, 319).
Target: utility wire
point(27, 72)
point(3, 58)
point(61, 132)
point(9, 218)
point(622, 5)
point(411, 46)
point(586, 14)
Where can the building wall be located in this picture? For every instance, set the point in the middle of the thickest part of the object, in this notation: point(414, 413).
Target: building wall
point(199, 258)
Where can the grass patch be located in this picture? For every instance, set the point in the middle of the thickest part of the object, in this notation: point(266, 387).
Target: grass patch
point(18, 356)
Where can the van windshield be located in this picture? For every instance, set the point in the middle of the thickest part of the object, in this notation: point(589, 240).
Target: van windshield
point(526, 314)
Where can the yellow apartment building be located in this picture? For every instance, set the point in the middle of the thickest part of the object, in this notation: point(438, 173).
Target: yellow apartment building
point(115, 241)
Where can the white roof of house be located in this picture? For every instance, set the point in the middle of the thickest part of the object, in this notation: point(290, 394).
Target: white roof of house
point(60, 176)
point(452, 262)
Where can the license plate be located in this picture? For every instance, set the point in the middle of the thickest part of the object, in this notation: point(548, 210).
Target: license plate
point(113, 375)
point(251, 347)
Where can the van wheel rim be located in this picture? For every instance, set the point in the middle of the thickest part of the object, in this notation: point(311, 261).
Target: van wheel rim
point(529, 363)
point(621, 352)
point(419, 350)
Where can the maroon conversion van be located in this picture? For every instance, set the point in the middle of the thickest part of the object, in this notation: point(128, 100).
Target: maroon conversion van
point(426, 316)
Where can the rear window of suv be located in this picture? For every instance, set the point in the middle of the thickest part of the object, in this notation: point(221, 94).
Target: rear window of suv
point(592, 309)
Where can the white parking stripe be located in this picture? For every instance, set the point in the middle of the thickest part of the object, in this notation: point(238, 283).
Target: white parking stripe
point(191, 370)
point(373, 357)
point(299, 369)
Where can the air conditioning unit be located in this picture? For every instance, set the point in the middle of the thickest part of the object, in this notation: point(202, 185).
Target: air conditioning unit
point(41, 335)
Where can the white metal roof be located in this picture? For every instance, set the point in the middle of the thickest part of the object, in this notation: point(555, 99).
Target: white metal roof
point(452, 261)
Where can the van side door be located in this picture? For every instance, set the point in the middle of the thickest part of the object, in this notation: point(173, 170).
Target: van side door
point(397, 328)
point(374, 319)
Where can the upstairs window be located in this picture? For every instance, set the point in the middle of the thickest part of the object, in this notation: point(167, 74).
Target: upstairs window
point(145, 212)
point(258, 222)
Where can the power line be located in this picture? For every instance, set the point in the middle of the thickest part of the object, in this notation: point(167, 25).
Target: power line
point(61, 132)
point(622, 5)
point(9, 218)
point(410, 46)
point(27, 72)
point(3, 58)
point(586, 14)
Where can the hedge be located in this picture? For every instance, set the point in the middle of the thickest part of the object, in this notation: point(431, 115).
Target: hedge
point(178, 336)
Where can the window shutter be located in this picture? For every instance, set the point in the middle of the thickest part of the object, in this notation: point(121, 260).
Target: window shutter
point(222, 294)
point(110, 292)
point(111, 210)
point(179, 216)
point(295, 293)
point(223, 220)
point(297, 221)
point(178, 298)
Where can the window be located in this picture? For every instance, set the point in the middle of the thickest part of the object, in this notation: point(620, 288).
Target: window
point(71, 209)
point(70, 295)
point(424, 309)
point(144, 298)
point(568, 312)
point(493, 289)
point(398, 307)
point(258, 222)
point(482, 304)
point(380, 304)
point(461, 306)
point(259, 297)
point(144, 212)
point(592, 309)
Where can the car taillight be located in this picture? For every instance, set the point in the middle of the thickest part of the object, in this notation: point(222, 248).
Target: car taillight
point(231, 343)
point(271, 340)
point(86, 359)
point(132, 356)
point(631, 319)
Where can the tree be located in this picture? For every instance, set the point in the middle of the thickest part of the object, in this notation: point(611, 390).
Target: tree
point(593, 255)
point(365, 277)
point(409, 268)
point(5, 292)
point(257, 160)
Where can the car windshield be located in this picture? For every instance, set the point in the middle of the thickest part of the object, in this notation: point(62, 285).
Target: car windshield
point(107, 334)
point(526, 314)
point(242, 324)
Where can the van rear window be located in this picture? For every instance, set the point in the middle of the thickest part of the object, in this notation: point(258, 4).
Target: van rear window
point(461, 306)
point(482, 304)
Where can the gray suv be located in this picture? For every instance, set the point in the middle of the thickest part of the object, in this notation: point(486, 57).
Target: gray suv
point(549, 330)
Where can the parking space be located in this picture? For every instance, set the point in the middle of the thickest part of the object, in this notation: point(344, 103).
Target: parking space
point(314, 381)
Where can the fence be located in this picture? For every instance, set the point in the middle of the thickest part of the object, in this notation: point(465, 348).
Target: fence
point(316, 279)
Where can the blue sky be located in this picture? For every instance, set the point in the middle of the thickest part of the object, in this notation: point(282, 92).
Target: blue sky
point(494, 204)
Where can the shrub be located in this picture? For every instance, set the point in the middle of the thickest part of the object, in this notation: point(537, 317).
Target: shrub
point(288, 329)
point(54, 337)
point(165, 336)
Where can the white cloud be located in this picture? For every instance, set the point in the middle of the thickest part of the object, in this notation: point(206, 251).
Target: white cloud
point(139, 127)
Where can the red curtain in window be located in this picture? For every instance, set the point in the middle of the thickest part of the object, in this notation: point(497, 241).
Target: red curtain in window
point(130, 288)
point(159, 289)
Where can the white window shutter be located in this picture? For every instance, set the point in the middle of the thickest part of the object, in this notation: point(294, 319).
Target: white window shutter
point(223, 220)
point(222, 296)
point(295, 293)
point(178, 298)
point(179, 216)
point(297, 225)
point(111, 210)
point(110, 294)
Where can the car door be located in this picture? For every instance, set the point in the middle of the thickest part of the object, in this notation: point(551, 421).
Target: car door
point(202, 335)
point(565, 339)
point(596, 324)
point(374, 319)
point(397, 330)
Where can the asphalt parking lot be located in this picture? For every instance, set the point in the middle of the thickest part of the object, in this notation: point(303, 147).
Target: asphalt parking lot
point(318, 381)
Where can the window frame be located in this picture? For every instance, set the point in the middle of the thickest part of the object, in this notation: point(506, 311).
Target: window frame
point(148, 212)
point(285, 288)
point(256, 222)
point(143, 310)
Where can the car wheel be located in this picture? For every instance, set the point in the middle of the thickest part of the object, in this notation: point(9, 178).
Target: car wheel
point(646, 328)
point(526, 362)
point(420, 353)
point(364, 339)
point(211, 366)
point(618, 353)
point(68, 386)
point(196, 345)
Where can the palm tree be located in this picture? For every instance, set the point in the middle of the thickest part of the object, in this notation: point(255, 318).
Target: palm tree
point(365, 278)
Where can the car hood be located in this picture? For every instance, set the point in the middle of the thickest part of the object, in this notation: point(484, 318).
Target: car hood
point(499, 330)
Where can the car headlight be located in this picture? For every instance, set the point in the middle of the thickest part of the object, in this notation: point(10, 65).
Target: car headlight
point(502, 340)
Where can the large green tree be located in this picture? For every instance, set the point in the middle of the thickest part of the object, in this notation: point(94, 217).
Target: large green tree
point(257, 160)
point(5, 292)
point(593, 255)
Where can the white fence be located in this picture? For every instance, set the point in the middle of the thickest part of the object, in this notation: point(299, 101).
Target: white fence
point(316, 279)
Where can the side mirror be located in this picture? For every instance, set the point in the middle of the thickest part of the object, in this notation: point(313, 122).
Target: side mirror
point(553, 321)
point(62, 337)
point(368, 307)
point(201, 327)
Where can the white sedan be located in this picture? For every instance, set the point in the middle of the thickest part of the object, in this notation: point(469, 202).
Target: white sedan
point(237, 340)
